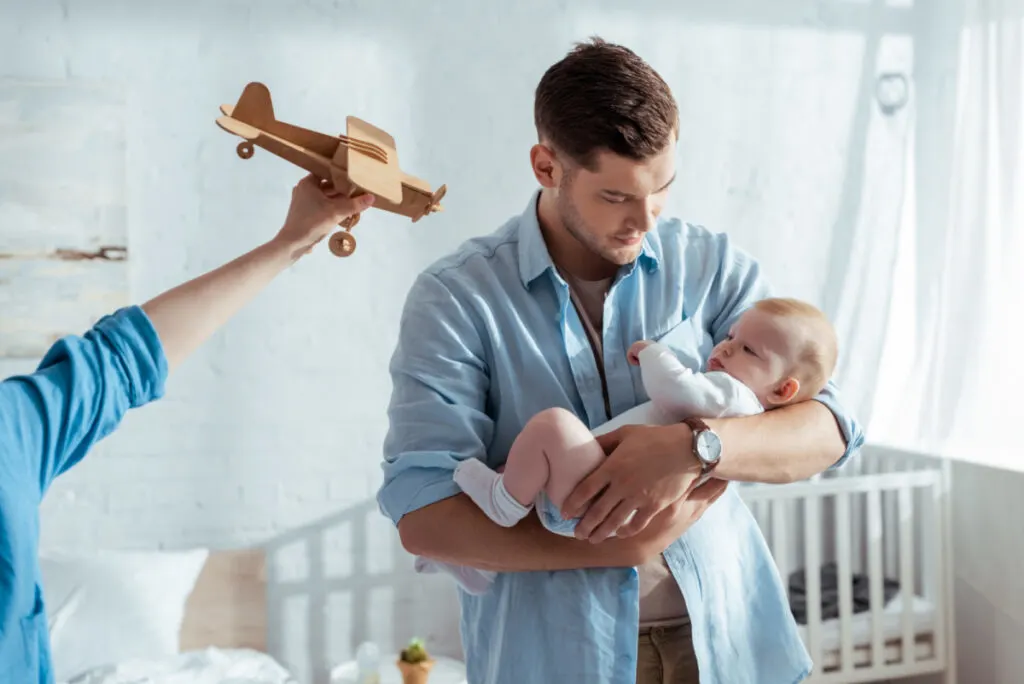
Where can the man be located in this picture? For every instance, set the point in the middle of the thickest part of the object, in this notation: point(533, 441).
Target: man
point(541, 313)
point(84, 385)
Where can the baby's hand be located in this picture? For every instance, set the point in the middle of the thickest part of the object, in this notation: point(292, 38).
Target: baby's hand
point(633, 355)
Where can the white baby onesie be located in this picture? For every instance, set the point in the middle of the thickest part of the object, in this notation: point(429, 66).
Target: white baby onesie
point(675, 392)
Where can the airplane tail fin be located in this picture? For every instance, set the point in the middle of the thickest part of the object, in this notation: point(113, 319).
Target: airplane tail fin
point(255, 107)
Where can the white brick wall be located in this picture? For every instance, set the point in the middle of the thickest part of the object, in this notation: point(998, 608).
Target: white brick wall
point(278, 421)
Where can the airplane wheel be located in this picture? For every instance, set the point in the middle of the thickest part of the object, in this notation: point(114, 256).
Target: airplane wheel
point(342, 244)
point(245, 150)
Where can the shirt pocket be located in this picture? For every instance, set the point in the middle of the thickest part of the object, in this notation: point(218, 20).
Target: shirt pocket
point(689, 341)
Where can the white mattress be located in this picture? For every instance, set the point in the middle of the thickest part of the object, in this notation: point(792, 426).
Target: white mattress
point(829, 636)
point(210, 666)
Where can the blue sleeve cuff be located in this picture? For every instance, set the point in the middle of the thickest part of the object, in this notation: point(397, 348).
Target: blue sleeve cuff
point(414, 481)
point(853, 434)
point(141, 354)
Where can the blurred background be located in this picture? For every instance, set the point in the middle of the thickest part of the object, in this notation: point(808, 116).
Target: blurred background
point(869, 152)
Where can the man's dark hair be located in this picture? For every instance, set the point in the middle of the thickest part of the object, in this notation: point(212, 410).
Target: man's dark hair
point(604, 96)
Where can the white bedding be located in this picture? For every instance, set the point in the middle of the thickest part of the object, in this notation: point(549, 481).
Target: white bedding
point(210, 666)
point(861, 624)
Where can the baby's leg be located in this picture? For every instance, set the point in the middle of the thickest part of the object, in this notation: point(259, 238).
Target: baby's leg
point(554, 456)
point(553, 452)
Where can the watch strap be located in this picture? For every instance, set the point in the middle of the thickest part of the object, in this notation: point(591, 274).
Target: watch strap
point(698, 426)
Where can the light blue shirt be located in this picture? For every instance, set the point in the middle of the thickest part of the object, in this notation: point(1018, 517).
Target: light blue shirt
point(48, 422)
point(488, 338)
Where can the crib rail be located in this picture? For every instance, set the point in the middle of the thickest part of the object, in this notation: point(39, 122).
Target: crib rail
point(881, 527)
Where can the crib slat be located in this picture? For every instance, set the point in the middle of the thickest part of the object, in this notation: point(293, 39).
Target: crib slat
point(812, 565)
point(780, 538)
point(907, 589)
point(761, 515)
point(890, 521)
point(937, 561)
point(947, 612)
point(877, 600)
point(858, 533)
point(843, 561)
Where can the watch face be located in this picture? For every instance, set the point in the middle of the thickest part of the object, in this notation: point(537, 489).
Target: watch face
point(709, 446)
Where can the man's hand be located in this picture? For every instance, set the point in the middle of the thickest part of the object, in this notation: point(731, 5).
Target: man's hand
point(314, 212)
point(648, 468)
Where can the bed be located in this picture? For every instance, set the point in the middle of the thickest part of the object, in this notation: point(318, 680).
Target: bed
point(879, 606)
point(160, 617)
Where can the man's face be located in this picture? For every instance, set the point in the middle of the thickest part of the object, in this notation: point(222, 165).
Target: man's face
point(610, 209)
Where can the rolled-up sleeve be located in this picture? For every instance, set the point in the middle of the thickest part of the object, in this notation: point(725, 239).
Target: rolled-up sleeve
point(437, 413)
point(848, 425)
point(80, 392)
point(740, 283)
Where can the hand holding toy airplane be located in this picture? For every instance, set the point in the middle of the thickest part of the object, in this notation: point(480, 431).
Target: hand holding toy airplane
point(364, 160)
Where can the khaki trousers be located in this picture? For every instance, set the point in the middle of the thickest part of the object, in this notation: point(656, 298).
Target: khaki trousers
point(665, 656)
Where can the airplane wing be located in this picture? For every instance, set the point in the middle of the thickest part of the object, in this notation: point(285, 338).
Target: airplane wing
point(238, 128)
point(368, 171)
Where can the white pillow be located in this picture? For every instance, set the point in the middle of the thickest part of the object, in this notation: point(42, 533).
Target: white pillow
point(105, 607)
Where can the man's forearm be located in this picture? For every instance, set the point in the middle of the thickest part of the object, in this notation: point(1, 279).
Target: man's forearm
point(456, 531)
point(185, 316)
point(779, 446)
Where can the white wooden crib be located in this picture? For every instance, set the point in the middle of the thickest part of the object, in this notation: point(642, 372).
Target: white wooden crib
point(884, 521)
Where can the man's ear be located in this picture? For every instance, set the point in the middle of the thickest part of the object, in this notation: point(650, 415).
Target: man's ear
point(546, 167)
point(784, 392)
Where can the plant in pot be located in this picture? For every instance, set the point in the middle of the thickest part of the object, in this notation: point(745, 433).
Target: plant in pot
point(415, 663)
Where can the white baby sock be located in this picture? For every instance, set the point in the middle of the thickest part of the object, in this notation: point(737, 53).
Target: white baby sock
point(487, 490)
point(472, 580)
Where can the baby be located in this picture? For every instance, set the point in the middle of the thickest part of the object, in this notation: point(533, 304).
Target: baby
point(779, 352)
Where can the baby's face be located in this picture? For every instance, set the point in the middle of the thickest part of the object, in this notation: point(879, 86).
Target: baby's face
point(759, 352)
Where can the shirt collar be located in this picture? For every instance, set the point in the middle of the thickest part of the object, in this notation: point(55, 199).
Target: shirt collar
point(534, 258)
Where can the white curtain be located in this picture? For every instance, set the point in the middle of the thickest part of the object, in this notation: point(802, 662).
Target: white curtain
point(857, 292)
point(954, 367)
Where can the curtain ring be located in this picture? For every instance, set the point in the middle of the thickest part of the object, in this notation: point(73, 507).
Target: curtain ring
point(892, 90)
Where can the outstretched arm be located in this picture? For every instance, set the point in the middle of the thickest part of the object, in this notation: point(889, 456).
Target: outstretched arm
point(185, 316)
point(85, 384)
point(679, 392)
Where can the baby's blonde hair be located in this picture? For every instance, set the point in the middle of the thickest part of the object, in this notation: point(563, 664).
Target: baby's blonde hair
point(817, 357)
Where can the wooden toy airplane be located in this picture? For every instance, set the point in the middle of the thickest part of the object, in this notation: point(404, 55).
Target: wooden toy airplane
point(364, 160)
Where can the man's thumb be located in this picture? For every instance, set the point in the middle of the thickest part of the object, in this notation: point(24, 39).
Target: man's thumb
point(709, 491)
point(353, 205)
